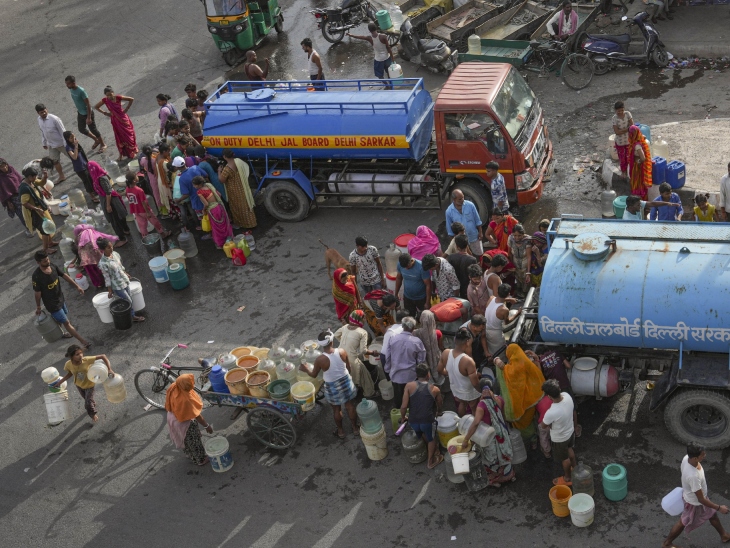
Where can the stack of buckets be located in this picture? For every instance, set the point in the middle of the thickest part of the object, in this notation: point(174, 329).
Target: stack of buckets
point(57, 401)
point(372, 431)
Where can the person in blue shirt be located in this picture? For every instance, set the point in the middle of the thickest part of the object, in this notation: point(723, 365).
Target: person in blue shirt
point(667, 213)
point(497, 187)
point(465, 212)
point(210, 166)
point(416, 284)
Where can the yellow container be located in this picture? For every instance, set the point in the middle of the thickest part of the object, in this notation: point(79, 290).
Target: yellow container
point(228, 248)
point(249, 363)
point(258, 382)
point(240, 351)
point(455, 443)
point(303, 393)
point(175, 256)
point(559, 497)
point(236, 381)
point(445, 437)
point(261, 353)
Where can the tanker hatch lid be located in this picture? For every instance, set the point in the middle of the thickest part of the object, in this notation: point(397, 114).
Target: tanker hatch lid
point(260, 95)
point(591, 246)
point(585, 363)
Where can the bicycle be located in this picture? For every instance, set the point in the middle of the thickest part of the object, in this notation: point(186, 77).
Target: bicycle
point(576, 69)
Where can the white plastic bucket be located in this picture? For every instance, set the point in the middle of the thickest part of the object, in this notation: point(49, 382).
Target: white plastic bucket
point(386, 389)
point(135, 289)
point(101, 302)
point(673, 503)
point(57, 407)
point(219, 454)
point(375, 444)
point(581, 508)
point(53, 205)
point(303, 393)
point(460, 462)
point(158, 266)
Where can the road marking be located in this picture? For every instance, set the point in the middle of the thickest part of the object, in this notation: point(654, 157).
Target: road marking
point(235, 531)
point(618, 414)
point(421, 494)
point(272, 536)
point(333, 534)
point(264, 457)
point(273, 460)
point(305, 479)
point(639, 393)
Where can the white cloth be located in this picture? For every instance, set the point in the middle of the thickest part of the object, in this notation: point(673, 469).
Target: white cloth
point(553, 24)
point(493, 330)
point(724, 200)
point(560, 415)
point(628, 216)
point(381, 50)
point(311, 65)
point(693, 479)
point(52, 131)
point(354, 342)
point(488, 275)
point(461, 385)
point(337, 369)
point(622, 123)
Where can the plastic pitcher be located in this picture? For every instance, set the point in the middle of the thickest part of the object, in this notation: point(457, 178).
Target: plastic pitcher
point(475, 45)
point(582, 479)
point(115, 389)
point(369, 415)
point(607, 198)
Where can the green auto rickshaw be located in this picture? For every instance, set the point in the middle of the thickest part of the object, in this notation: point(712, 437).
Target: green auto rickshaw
point(238, 25)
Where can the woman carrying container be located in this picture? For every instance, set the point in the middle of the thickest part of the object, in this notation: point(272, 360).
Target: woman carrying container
point(183, 405)
point(345, 294)
point(78, 368)
point(521, 383)
point(214, 209)
point(114, 209)
point(88, 253)
point(497, 456)
point(35, 209)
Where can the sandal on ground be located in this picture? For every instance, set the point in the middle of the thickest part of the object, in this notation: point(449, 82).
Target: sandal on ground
point(439, 460)
point(561, 481)
point(50, 251)
point(138, 319)
point(206, 461)
point(336, 433)
point(120, 243)
point(67, 336)
point(578, 431)
point(61, 180)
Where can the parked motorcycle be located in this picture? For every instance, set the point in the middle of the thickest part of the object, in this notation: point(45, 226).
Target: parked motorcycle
point(334, 23)
point(611, 51)
point(431, 53)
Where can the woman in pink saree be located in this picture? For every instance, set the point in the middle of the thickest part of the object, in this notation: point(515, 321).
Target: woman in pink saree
point(424, 243)
point(121, 123)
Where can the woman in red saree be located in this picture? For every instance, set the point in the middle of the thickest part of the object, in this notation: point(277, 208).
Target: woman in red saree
point(345, 294)
point(640, 163)
point(500, 227)
point(121, 124)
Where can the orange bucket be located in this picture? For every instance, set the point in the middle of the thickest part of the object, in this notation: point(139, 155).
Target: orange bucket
point(241, 351)
point(559, 497)
point(236, 381)
point(248, 363)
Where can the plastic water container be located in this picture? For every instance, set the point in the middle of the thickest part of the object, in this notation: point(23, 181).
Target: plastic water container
point(396, 17)
point(258, 383)
point(51, 375)
point(279, 390)
point(391, 261)
point(483, 435)
point(475, 44)
point(390, 280)
point(619, 205)
point(676, 174)
point(115, 390)
point(57, 407)
point(219, 453)
point(97, 372)
point(53, 206)
point(519, 453)
point(81, 281)
point(660, 148)
point(659, 170)
point(235, 380)
point(383, 18)
point(559, 497)
point(287, 371)
point(386, 390)
point(250, 240)
point(395, 73)
point(101, 302)
point(401, 242)
point(607, 198)
point(217, 379)
point(48, 328)
point(187, 244)
point(450, 475)
point(612, 148)
point(582, 479)
point(270, 367)
point(615, 482)
point(135, 290)
point(369, 415)
point(303, 393)
point(460, 462)
point(582, 509)
point(158, 266)
point(645, 131)
point(375, 444)
point(448, 427)
point(77, 197)
point(64, 208)
point(673, 503)
point(178, 276)
point(414, 447)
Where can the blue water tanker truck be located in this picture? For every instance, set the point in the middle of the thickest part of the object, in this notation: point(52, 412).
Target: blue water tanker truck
point(351, 143)
point(643, 294)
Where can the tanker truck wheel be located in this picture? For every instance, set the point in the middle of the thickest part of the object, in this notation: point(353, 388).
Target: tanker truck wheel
point(286, 201)
point(476, 193)
point(701, 417)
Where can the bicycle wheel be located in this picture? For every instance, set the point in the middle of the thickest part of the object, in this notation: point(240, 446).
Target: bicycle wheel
point(577, 71)
point(271, 428)
point(152, 386)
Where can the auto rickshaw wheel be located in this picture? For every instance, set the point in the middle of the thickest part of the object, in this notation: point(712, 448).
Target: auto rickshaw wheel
point(231, 56)
point(279, 25)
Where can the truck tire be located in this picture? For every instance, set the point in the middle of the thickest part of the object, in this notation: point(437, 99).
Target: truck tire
point(286, 201)
point(699, 416)
point(476, 193)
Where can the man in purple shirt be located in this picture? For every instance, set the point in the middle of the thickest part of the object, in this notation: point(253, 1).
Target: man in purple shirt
point(667, 213)
point(405, 351)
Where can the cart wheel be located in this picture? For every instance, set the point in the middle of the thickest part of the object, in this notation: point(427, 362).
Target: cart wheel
point(271, 428)
point(152, 386)
point(279, 25)
point(230, 56)
point(393, 39)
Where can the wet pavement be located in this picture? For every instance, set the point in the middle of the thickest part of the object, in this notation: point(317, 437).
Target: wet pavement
point(121, 483)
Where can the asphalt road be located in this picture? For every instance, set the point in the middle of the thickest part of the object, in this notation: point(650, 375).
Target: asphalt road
point(121, 483)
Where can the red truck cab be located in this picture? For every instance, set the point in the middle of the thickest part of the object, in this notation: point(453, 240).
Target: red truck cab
point(487, 112)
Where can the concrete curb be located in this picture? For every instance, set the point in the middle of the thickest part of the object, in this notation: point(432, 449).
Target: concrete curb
point(697, 49)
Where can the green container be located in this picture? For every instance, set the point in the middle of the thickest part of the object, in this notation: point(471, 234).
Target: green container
point(615, 482)
point(619, 205)
point(178, 276)
point(383, 18)
point(280, 390)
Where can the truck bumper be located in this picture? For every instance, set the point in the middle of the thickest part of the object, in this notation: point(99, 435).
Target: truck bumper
point(534, 193)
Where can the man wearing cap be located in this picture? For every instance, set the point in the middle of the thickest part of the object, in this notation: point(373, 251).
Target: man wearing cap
point(189, 195)
point(338, 386)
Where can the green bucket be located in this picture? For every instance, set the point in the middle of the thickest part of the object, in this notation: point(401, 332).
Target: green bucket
point(279, 390)
point(383, 18)
point(619, 205)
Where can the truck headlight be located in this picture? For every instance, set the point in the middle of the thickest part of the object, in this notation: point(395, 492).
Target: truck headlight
point(524, 180)
point(239, 28)
point(213, 30)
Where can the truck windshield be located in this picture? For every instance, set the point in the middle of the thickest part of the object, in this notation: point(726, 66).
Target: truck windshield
point(219, 8)
point(513, 102)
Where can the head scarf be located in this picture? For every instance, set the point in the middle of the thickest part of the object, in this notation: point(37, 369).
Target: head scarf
point(327, 340)
point(184, 402)
point(344, 294)
point(9, 183)
point(521, 382)
point(640, 174)
point(540, 239)
point(427, 334)
point(503, 230)
point(96, 172)
point(86, 234)
point(357, 318)
point(424, 243)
